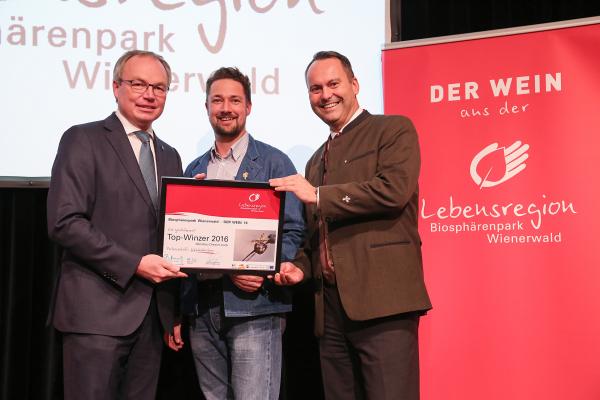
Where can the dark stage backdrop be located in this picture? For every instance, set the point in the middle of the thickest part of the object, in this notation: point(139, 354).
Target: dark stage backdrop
point(418, 19)
point(28, 270)
point(30, 351)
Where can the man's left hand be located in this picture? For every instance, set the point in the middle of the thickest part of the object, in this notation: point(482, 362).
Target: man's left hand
point(288, 275)
point(173, 339)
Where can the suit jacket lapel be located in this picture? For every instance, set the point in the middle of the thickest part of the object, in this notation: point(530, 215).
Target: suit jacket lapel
point(250, 166)
point(161, 166)
point(120, 143)
point(320, 166)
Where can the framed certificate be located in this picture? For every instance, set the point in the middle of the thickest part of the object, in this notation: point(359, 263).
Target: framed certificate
point(221, 226)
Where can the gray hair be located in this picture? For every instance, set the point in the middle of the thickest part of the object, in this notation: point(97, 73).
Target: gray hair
point(118, 70)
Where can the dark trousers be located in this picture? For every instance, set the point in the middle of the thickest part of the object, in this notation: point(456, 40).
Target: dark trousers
point(376, 359)
point(113, 367)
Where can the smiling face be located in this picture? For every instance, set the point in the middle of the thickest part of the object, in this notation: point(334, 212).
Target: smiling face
point(332, 93)
point(227, 108)
point(141, 109)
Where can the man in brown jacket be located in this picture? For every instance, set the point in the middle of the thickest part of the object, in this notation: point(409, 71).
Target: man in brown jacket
point(362, 247)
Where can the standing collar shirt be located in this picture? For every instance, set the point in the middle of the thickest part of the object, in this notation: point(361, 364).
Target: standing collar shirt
point(136, 143)
point(333, 134)
point(226, 167)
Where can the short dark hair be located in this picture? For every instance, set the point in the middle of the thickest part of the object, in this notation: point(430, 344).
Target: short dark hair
point(230, 73)
point(118, 70)
point(324, 55)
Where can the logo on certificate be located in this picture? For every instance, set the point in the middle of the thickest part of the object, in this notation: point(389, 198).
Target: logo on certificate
point(254, 197)
point(253, 204)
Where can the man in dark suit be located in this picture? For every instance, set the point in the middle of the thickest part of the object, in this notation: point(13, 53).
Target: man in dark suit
point(114, 292)
point(362, 247)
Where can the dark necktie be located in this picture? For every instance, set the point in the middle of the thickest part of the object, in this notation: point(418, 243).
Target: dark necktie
point(147, 166)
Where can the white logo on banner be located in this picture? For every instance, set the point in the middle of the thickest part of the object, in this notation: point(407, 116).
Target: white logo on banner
point(513, 161)
point(254, 197)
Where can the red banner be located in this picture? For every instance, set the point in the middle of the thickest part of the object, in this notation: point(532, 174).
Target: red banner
point(509, 132)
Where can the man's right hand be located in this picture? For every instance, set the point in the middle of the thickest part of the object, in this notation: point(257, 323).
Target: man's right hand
point(156, 269)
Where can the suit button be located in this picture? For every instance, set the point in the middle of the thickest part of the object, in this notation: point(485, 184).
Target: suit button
point(328, 219)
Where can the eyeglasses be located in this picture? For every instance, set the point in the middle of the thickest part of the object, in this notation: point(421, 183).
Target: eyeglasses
point(141, 87)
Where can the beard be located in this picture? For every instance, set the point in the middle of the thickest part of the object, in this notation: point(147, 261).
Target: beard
point(232, 132)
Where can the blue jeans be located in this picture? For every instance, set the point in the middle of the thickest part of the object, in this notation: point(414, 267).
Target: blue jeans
point(237, 358)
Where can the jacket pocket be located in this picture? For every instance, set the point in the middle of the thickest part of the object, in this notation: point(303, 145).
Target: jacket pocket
point(368, 153)
point(383, 244)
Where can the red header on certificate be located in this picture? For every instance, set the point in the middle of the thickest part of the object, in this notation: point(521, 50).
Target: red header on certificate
point(231, 202)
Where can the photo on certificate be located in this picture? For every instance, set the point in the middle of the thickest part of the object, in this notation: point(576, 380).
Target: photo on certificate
point(221, 226)
point(261, 245)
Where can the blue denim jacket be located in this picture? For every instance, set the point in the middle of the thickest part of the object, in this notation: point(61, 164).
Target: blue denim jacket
point(261, 163)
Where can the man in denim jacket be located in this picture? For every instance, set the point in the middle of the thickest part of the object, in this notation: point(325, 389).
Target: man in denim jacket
point(237, 320)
